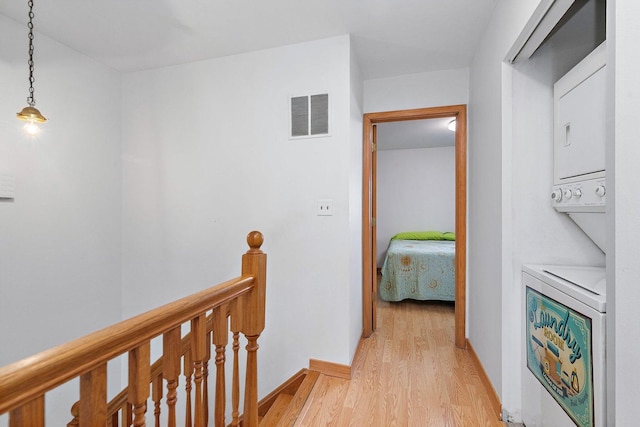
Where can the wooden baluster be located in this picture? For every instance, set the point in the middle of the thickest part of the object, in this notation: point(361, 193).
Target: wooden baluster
point(75, 411)
point(156, 396)
point(93, 397)
point(198, 353)
point(127, 415)
point(171, 349)
point(220, 340)
point(205, 379)
point(235, 391)
point(254, 263)
point(188, 371)
point(115, 419)
point(236, 318)
point(139, 379)
point(31, 414)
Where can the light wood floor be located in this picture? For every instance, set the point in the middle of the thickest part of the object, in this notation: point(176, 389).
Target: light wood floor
point(408, 373)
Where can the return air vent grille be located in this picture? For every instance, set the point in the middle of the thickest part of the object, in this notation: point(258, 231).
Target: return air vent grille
point(309, 116)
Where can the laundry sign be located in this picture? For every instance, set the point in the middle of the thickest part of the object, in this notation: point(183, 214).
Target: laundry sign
point(559, 354)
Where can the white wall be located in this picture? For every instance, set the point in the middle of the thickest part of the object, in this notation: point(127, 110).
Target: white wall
point(416, 192)
point(207, 158)
point(623, 175)
point(422, 90)
point(490, 212)
point(355, 204)
point(60, 238)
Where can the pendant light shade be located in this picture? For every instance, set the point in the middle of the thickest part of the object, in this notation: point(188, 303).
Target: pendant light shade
point(31, 114)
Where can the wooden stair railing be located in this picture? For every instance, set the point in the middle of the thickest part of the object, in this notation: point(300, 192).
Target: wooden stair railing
point(23, 384)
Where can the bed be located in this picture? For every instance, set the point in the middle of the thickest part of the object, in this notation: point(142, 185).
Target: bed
point(419, 269)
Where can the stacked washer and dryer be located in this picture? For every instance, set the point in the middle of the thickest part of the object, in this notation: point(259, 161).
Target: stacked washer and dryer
point(565, 306)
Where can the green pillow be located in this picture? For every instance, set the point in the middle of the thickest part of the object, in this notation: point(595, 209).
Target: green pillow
point(449, 235)
point(419, 235)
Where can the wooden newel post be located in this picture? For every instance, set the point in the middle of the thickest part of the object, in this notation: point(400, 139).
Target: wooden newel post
point(254, 263)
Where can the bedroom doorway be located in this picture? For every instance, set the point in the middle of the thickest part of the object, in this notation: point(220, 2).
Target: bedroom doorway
point(369, 210)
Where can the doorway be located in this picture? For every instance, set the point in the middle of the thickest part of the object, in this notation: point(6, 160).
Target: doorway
point(369, 159)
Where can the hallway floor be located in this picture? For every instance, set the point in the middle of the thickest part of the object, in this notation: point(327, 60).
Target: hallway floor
point(408, 373)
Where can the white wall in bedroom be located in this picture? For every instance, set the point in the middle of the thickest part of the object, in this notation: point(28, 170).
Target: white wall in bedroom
point(416, 192)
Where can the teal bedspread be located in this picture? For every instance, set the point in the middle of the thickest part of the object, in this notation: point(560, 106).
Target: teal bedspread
point(420, 270)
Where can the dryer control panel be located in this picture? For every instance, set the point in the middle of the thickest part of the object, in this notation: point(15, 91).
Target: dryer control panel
point(584, 196)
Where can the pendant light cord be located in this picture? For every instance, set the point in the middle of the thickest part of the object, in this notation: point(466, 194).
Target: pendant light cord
point(31, 99)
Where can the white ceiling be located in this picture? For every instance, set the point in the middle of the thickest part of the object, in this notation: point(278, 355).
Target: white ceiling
point(428, 133)
point(390, 37)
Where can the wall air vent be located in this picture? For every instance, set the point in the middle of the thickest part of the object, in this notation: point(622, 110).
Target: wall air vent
point(309, 116)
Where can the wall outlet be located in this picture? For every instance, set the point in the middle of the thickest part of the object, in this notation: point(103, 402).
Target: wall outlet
point(324, 207)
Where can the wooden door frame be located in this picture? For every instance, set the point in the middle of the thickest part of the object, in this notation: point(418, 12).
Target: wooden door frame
point(459, 112)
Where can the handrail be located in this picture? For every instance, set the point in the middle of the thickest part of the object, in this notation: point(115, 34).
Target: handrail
point(28, 378)
point(25, 382)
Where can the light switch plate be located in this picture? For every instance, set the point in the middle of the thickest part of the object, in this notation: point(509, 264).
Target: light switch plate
point(7, 186)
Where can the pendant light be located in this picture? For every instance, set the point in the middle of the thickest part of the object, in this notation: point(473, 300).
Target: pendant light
point(30, 114)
